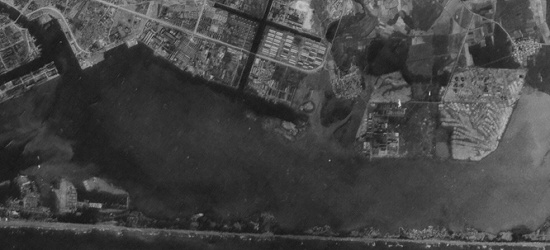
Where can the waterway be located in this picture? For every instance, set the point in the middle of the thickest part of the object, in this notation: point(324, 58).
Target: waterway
point(181, 147)
point(538, 75)
point(56, 48)
point(51, 40)
point(255, 46)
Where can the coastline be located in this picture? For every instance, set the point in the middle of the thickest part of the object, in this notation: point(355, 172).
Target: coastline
point(150, 233)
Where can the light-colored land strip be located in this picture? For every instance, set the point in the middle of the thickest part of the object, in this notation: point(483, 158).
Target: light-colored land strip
point(390, 242)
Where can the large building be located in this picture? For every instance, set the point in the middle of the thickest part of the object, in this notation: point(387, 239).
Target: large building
point(293, 49)
point(66, 197)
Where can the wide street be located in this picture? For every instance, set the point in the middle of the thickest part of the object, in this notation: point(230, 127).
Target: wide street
point(193, 33)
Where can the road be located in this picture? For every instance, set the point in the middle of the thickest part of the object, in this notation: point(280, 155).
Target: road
point(56, 12)
point(6, 68)
point(267, 21)
point(457, 59)
point(199, 18)
point(182, 235)
point(258, 37)
point(492, 21)
point(196, 34)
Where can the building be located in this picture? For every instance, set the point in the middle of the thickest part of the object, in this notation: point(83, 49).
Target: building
point(28, 192)
point(31, 200)
point(24, 185)
point(103, 195)
point(28, 202)
point(378, 136)
point(292, 49)
point(66, 197)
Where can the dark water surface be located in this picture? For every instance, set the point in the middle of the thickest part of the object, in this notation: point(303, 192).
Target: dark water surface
point(181, 146)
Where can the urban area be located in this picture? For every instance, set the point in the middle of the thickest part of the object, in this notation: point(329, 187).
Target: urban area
point(18, 48)
point(270, 49)
point(216, 40)
point(370, 80)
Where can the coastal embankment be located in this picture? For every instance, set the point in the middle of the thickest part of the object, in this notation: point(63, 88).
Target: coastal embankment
point(80, 236)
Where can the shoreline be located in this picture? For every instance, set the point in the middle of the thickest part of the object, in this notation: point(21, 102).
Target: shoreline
point(202, 235)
